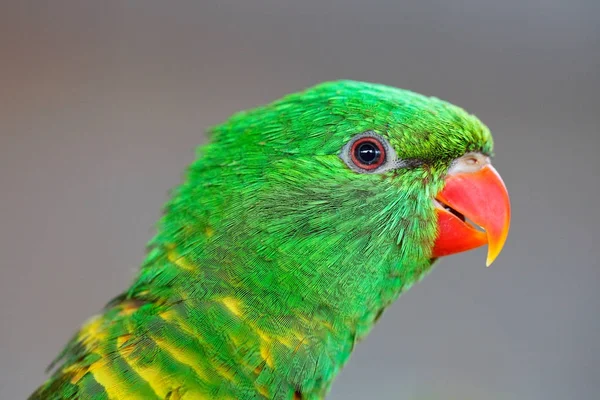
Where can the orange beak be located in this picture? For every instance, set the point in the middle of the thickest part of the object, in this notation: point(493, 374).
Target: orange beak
point(480, 197)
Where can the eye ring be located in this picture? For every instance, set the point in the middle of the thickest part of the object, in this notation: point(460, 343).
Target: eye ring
point(376, 156)
point(368, 153)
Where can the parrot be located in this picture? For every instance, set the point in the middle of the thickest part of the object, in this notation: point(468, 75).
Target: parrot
point(294, 228)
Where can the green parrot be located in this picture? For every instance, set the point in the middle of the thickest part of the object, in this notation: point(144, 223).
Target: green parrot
point(294, 229)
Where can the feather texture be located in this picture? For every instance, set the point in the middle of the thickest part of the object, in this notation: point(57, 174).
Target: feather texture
point(274, 258)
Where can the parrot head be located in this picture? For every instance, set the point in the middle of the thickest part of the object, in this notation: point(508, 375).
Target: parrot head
point(340, 196)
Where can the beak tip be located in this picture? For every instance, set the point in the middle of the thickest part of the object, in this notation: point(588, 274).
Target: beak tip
point(494, 249)
point(495, 245)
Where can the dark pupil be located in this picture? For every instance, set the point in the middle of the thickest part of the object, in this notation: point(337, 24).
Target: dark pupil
point(367, 153)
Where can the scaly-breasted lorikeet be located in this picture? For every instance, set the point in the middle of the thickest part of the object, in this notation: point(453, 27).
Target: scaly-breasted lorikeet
point(297, 225)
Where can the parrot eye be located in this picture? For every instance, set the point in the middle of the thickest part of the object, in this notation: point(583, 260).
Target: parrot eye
point(367, 153)
point(370, 153)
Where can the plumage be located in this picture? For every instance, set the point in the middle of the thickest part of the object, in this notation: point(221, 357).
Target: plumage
point(273, 258)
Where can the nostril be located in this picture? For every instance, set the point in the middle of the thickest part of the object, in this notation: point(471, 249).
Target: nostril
point(470, 162)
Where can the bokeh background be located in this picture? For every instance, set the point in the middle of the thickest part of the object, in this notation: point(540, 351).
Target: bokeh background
point(103, 102)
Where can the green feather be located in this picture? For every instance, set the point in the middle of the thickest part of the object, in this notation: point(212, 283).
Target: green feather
point(273, 257)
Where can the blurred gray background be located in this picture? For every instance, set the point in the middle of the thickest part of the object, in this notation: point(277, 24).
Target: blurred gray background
point(103, 102)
